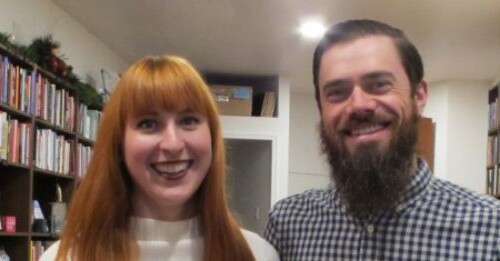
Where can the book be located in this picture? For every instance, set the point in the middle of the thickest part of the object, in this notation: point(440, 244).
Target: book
point(4, 135)
point(268, 104)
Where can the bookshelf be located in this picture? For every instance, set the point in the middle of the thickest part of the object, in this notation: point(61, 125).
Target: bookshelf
point(45, 141)
point(257, 148)
point(493, 143)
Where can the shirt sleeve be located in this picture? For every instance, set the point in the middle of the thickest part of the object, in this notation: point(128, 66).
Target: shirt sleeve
point(271, 232)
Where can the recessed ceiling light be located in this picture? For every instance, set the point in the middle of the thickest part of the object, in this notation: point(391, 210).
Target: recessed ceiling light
point(312, 29)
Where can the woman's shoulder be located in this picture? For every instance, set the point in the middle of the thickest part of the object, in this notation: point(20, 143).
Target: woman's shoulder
point(261, 249)
point(50, 253)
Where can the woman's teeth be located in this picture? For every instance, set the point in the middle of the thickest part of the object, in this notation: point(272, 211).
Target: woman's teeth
point(170, 168)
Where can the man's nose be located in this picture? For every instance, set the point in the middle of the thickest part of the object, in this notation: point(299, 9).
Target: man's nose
point(361, 104)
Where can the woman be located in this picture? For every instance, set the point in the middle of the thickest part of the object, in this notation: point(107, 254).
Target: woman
point(154, 188)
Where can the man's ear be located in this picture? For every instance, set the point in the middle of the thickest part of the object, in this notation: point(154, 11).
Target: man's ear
point(421, 96)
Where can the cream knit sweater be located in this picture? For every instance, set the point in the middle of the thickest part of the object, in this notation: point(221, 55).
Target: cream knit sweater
point(180, 240)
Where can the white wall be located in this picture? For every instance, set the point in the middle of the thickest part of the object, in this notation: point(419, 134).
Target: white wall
point(307, 165)
point(28, 19)
point(459, 109)
point(437, 109)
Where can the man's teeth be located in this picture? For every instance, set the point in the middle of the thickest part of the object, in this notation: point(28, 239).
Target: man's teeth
point(172, 167)
point(366, 130)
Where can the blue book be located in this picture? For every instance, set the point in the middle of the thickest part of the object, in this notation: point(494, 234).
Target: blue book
point(6, 65)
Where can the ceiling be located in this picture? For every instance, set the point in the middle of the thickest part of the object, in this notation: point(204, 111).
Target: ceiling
point(458, 39)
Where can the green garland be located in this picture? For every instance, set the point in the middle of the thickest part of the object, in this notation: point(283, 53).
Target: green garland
point(38, 52)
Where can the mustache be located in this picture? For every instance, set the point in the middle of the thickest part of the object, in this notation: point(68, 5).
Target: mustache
point(356, 119)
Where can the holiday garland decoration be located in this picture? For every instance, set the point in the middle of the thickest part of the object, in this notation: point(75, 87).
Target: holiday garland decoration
point(43, 51)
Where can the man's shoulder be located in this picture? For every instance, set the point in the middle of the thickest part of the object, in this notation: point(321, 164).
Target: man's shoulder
point(457, 196)
point(305, 202)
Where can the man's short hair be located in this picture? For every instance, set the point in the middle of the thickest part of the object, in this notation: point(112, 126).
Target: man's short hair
point(354, 29)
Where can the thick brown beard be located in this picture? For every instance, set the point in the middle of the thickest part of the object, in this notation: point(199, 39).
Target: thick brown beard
point(370, 180)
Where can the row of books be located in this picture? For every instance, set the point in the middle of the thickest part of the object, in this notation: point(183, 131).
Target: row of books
point(493, 116)
point(83, 155)
point(17, 85)
point(492, 155)
point(15, 145)
point(32, 93)
point(89, 121)
point(53, 151)
point(493, 182)
point(38, 247)
point(55, 105)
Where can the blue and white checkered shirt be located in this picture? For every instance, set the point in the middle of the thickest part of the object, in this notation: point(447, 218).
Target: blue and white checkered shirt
point(435, 220)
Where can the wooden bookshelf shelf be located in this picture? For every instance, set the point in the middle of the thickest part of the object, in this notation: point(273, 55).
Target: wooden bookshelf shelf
point(39, 236)
point(47, 125)
point(85, 141)
point(8, 164)
point(52, 174)
point(13, 234)
point(14, 112)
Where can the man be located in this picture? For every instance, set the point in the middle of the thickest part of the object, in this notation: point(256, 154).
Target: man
point(383, 203)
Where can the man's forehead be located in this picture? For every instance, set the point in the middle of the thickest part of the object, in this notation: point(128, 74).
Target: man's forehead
point(361, 56)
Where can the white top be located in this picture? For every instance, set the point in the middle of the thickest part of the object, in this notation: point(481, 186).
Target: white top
point(180, 240)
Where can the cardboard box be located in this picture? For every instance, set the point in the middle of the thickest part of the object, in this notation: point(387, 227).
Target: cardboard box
point(233, 100)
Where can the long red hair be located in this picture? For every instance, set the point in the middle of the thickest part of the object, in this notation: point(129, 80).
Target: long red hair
point(98, 217)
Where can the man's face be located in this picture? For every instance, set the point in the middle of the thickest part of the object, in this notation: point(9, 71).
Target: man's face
point(365, 93)
point(368, 122)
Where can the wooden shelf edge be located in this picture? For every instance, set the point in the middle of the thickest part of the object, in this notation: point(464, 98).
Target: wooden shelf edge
point(13, 234)
point(6, 163)
point(46, 124)
point(52, 173)
point(45, 235)
point(85, 140)
point(7, 108)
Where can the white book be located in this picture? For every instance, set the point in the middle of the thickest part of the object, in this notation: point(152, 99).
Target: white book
point(37, 210)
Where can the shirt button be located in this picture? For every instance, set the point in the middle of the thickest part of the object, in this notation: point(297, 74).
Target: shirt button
point(370, 229)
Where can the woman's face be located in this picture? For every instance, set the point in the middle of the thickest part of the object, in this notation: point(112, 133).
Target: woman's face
point(168, 155)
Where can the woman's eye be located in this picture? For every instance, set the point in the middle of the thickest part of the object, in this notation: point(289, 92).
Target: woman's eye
point(189, 120)
point(147, 124)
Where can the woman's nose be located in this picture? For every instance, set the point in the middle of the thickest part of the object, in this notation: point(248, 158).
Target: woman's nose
point(171, 139)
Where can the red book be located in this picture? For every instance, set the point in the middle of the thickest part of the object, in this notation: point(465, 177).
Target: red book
point(14, 141)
